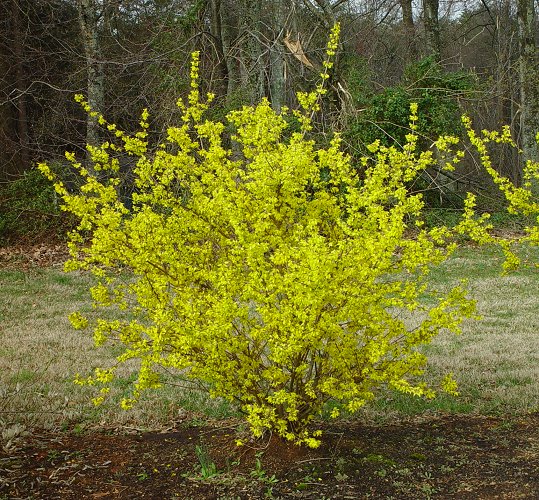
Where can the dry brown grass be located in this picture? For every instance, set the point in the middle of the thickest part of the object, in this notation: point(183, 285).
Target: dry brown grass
point(40, 354)
point(496, 360)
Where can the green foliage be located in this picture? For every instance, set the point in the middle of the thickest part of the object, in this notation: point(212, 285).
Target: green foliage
point(435, 217)
point(358, 77)
point(208, 469)
point(260, 474)
point(276, 278)
point(385, 115)
point(29, 209)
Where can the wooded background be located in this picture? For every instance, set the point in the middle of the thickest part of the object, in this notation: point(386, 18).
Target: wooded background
point(454, 56)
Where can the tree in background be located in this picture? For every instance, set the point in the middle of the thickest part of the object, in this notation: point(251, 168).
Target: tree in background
point(409, 29)
point(128, 54)
point(432, 28)
point(92, 13)
point(528, 77)
point(39, 73)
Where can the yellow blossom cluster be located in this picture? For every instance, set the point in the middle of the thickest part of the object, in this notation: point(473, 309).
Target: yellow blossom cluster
point(522, 199)
point(278, 277)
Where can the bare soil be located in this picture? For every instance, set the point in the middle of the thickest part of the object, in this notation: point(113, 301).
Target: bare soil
point(464, 457)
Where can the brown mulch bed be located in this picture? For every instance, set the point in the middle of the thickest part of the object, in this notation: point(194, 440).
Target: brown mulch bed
point(460, 457)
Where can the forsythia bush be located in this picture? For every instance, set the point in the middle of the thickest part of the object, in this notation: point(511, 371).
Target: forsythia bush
point(281, 278)
point(522, 199)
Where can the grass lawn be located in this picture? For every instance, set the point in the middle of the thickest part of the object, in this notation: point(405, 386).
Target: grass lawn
point(495, 360)
point(40, 354)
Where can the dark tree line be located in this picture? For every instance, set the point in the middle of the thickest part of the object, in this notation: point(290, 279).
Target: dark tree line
point(128, 54)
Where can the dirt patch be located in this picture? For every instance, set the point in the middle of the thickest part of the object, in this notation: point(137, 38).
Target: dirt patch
point(464, 457)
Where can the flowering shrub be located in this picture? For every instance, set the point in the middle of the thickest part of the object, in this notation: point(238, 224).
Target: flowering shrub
point(278, 278)
point(522, 199)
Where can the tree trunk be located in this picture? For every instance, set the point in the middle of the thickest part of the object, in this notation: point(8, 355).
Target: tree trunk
point(216, 28)
point(505, 88)
point(277, 70)
point(432, 28)
point(6, 122)
point(89, 17)
point(528, 74)
point(409, 29)
point(503, 63)
point(229, 35)
point(252, 59)
point(20, 86)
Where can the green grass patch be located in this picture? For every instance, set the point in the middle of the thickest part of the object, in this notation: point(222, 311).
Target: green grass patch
point(40, 354)
point(495, 360)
